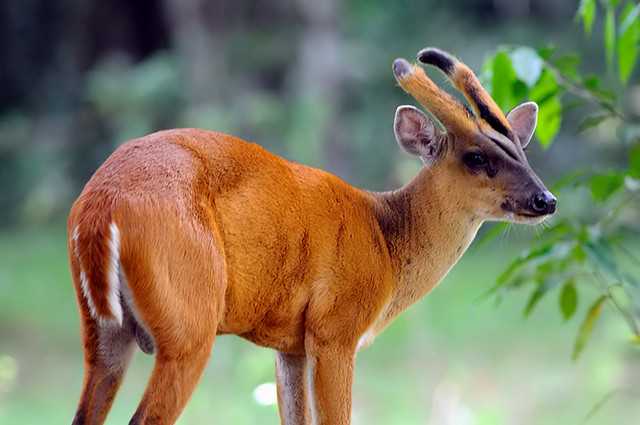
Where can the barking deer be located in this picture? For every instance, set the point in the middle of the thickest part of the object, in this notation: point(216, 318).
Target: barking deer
point(186, 234)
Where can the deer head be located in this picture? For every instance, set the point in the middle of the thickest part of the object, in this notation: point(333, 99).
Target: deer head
point(481, 151)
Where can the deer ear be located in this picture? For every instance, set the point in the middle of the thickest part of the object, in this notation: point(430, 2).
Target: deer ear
point(523, 119)
point(416, 133)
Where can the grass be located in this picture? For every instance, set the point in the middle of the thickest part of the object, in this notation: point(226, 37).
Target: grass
point(451, 358)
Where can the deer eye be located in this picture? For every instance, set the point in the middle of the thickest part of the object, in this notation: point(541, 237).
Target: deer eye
point(474, 160)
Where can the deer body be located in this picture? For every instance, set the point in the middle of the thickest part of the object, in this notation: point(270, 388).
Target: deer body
point(186, 234)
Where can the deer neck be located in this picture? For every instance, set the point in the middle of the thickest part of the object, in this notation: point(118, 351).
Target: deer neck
point(427, 228)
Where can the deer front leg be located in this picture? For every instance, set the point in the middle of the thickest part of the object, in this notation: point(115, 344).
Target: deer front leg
point(292, 397)
point(329, 379)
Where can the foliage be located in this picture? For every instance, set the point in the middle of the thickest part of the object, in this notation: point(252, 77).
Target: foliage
point(575, 253)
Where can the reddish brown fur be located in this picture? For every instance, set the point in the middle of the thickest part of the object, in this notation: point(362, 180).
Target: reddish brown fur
point(285, 255)
point(218, 236)
point(271, 246)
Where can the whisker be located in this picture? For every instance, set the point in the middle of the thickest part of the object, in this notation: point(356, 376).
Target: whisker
point(507, 231)
point(538, 229)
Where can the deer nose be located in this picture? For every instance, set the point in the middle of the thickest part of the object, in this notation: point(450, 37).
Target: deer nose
point(544, 203)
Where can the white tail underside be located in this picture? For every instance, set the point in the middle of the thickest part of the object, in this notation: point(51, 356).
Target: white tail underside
point(113, 280)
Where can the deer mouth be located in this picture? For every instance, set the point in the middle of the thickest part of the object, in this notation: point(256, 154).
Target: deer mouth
point(521, 215)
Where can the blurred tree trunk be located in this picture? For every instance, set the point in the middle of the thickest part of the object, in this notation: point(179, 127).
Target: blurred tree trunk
point(199, 37)
point(317, 77)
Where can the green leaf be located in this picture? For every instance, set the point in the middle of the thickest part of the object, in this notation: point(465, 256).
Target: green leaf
point(545, 52)
point(549, 120)
point(624, 304)
point(634, 162)
point(587, 13)
point(586, 328)
point(527, 65)
point(545, 88)
point(521, 260)
point(600, 404)
point(519, 92)
point(592, 121)
point(568, 299)
point(502, 80)
point(592, 82)
point(628, 39)
point(534, 299)
point(604, 185)
point(601, 256)
point(610, 35)
point(629, 16)
point(568, 65)
point(578, 254)
point(546, 94)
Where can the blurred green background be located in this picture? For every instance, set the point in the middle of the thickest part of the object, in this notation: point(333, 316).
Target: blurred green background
point(310, 80)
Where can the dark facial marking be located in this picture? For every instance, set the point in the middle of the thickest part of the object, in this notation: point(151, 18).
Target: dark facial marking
point(485, 165)
point(505, 149)
point(485, 113)
point(507, 206)
point(492, 171)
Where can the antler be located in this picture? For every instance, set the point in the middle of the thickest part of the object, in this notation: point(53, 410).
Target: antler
point(466, 81)
point(453, 114)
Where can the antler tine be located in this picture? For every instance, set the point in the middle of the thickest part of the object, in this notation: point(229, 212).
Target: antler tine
point(453, 114)
point(466, 81)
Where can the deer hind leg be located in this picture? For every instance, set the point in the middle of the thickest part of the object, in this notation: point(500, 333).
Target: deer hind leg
point(292, 397)
point(172, 382)
point(108, 349)
point(181, 310)
point(183, 347)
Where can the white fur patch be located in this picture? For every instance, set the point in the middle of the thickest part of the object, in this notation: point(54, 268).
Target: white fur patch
point(365, 340)
point(112, 277)
point(74, 236)
point(84, 284)
point(113, 282)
